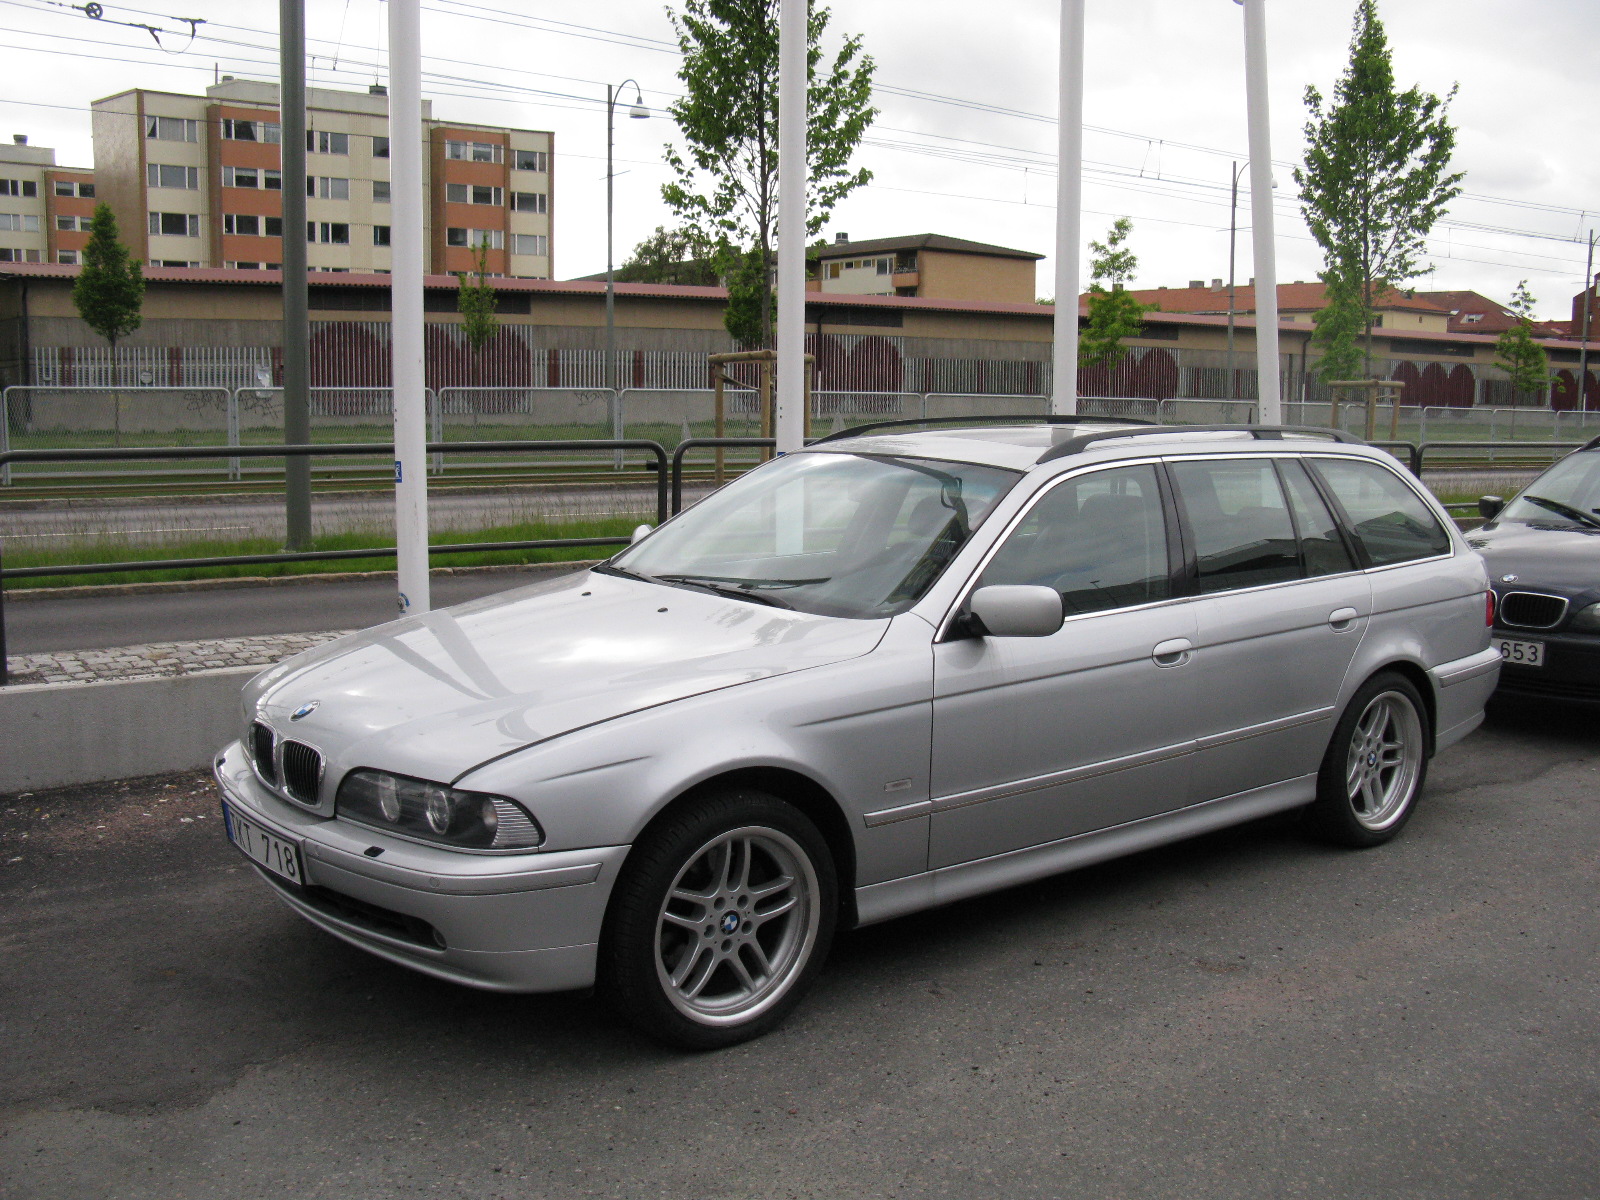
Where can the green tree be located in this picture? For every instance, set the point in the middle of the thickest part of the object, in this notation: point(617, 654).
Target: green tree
point(110, 287)
point(1376, 175)
point(1517, 354)
point(1339, 326)
point(1113, 313)
point(671, 256)
point(726, 185)
point(475, 302)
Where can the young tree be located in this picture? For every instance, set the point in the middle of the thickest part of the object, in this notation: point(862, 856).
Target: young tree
point(671, 256)
point(110, 287)
point(1339, 326)
point(726, 186)
point(475, 302)
point(1517, 354)
point(1113, 313)
point(1376, 176)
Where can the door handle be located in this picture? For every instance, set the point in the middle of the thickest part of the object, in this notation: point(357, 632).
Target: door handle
point(1173, 652)
point(1342, 618)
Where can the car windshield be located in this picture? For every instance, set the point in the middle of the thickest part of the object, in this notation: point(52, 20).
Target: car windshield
point(1568, 494)
point(845, 535)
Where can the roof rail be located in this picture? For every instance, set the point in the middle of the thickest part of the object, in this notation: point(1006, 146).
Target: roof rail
point(1033, 418)
point(1259, 432)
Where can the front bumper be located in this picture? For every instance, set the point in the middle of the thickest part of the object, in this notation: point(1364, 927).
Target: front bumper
point(510, 923)
point(1571, 670)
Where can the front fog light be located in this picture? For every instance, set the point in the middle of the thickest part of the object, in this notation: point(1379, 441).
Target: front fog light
point(434, 812)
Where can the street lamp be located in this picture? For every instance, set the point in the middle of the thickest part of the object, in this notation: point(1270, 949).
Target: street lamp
point(638, 112)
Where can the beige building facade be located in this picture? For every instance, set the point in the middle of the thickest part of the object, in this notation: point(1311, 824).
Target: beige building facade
point(929, 266)
point(45, 209)
point(196, 181)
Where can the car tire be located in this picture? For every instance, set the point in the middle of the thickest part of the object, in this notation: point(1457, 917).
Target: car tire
point(720, 920)
point(1375, 765)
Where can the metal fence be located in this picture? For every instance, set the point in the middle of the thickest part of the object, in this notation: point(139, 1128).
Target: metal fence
point(51, 417)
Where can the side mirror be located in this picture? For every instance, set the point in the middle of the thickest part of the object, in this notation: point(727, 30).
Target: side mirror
point(640, 532)
point(1017, 610)
point(1489, 507)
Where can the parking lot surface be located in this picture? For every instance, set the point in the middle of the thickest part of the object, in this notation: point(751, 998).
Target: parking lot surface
point(1246, 1015)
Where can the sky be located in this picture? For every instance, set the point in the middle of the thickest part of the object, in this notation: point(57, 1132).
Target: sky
point(964, 142)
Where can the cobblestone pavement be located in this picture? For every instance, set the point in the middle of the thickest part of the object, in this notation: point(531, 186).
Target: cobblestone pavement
point(157, 660)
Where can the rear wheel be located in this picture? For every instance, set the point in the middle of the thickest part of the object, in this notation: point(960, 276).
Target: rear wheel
point(720, 921)
point(1375, 766)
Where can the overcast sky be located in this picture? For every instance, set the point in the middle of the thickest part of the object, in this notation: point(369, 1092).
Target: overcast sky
point(1164, 100)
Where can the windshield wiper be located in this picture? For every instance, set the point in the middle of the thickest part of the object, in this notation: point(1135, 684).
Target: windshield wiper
point(1565, 510)
point(606, 568)
point(722, 587)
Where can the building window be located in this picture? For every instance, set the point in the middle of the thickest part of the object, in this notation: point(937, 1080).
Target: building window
point(487, 152)
point(494, 239)
point(7, 254)
point(69, 188)
point(68, 257)
point(380, 191)
point(71, 224)
point(18, 223)
point(161, 175)
point(530, 202)
point(380, 235)
point(327, 187)
point(252, 177)
point(833, 270)
point(462, 193)
point(174, 224)
point(320, 141)
point(172, 262)
point(251, 131)
point(22, 187)
point(883, 266)
point(172, 129)
point(530, 243)
point(241, 224)
point(380, 147)
point(531, 160)
point(329, 233)
point(242, 266)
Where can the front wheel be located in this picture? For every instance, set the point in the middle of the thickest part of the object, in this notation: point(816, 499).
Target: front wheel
point(1375, 765)
point(720, 920)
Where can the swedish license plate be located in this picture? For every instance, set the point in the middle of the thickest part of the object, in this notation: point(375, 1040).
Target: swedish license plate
point(276, 854)
point(1521, 654)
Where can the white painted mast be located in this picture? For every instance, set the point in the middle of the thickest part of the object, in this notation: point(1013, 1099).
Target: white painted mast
point(789, 415)
point(1270, 403)
point(405, 331)
point(1069, 212)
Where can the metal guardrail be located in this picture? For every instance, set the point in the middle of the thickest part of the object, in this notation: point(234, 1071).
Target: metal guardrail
point(120, 454)
point(722, 443)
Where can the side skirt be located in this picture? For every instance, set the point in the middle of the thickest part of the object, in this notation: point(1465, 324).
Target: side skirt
point(897, 897)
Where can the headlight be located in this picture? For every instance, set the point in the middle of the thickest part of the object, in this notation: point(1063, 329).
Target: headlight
point(436, 813)
point(1587, 620)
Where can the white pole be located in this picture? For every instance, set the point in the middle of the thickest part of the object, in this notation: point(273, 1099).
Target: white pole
point(405, 330)
point(789, 413)
point(1270, 403)
point(1069, 212)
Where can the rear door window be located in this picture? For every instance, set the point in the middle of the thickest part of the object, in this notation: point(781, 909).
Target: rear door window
point(1388, 519)
point(1322, 548)
point(1239, 522)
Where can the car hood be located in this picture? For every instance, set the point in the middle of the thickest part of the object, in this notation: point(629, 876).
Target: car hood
point(1540, 556)
point(439, 694)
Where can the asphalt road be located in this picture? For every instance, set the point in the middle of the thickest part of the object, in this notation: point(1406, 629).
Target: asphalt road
point(82, 622)
point(1246, 1015)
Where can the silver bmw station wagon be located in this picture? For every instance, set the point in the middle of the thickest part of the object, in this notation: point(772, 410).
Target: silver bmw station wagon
point(898, 668)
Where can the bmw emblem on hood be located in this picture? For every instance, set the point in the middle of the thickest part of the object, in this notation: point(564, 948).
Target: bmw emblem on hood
point(305, 710)
point(1508, 579)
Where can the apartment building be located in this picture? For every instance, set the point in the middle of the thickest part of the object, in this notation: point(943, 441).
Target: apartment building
point(931, 266)
point(44, 209)
point(196, 181)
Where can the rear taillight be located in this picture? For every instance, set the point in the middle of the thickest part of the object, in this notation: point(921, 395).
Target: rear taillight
point(1488, 608)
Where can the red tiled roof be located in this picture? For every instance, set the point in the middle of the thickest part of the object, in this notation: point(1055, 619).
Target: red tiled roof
point(1292, 297)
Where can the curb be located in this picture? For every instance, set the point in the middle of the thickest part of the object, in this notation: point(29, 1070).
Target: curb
point(59, 734)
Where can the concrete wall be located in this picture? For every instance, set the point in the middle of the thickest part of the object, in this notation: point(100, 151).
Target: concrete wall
point(55, 734)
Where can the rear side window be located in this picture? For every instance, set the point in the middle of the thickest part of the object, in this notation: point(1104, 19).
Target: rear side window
point(1098, 539)
point(1239, 522)
point(1390, 521)
point(1321, 547)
